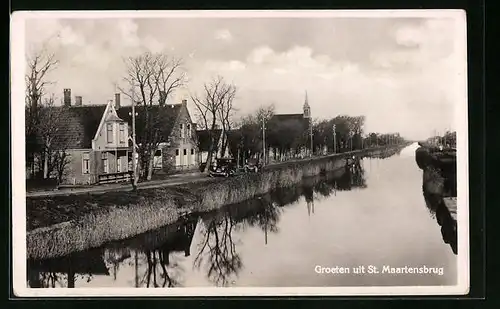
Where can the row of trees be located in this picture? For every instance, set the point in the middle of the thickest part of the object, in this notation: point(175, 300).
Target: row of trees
point(150, 80)
point(289, 138)
point(151, 76)
point(448, 139)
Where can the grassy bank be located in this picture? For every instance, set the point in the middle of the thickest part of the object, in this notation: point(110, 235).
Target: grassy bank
point(62, 224)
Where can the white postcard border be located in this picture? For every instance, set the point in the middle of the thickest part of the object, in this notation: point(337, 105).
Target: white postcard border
point(18, 158)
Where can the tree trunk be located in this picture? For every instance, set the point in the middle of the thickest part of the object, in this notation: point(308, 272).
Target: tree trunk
point(46, 165)
point(209, 160)
point(223, 146)
point(150, 165)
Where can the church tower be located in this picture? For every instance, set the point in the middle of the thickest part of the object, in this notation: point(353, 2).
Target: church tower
point(307, 108)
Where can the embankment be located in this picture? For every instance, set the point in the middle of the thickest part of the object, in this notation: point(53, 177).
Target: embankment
point(439, 183)
point(59, 225)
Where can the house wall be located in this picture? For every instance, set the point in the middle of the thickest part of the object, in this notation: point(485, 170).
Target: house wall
point(112, 158)
point(73, 173)
point(101, 142)
point(183, 138)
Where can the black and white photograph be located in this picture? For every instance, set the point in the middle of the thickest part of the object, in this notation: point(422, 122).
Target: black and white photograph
point(229, 153)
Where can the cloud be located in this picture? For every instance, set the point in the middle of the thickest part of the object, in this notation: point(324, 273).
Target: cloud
point(128, 32)
point(343, 87)
point(398, 68)
point(67, 36)
point(223, 35)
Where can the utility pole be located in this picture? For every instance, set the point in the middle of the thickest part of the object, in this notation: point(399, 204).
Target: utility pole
point(350, 137)
point(134, 148)
point(334, 138)
point(238, 164)
point(311, 132)
point(263, 141)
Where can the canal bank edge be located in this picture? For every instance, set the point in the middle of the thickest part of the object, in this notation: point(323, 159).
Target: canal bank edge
point(165, 205)
point(439, 190)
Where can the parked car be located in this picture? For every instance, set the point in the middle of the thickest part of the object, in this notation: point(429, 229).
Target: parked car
point(223, 167)
point(252, 165)
point(202, 166)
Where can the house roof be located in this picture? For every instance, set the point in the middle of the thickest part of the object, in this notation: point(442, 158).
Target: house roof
point(167, 115)
point(280, 118)
point(204, 138)
point(288, 117)
point(78, 124)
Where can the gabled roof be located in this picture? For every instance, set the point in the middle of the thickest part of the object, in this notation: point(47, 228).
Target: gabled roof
point(113, 117)
point(78, 125)
point(204, 138)
point(167, 115)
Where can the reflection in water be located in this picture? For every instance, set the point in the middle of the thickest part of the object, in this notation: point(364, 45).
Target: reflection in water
point(216, 253)
point(210, 242)
point(64, 271)
point(436, 206)
point(218, 250)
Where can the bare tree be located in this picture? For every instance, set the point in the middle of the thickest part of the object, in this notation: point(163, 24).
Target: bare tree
point(264, 113)
point(46, 131)
point(39, 64)
point(226, 116)
point(217, 94)
point(151, 79)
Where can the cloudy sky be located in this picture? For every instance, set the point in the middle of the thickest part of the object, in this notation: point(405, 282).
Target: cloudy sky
point(403, 74)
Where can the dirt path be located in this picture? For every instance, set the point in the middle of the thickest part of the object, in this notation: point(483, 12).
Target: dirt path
point(174, 180)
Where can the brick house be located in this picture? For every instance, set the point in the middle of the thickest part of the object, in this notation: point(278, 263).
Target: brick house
point(96, 140)
point(180, 150)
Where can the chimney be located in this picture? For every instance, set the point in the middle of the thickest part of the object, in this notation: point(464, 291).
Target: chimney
point(117, 101)
point(78, 100)
point(67, 97)
point(163, 98)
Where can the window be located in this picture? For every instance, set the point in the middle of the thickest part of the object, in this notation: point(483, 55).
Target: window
point(158, 153)
point(109, 133)
point(192, 151)
point(177, 152)
point(185, 151)
point(119, 165)
point(188, 129)
point(105, 165)
point(122, 133)
point(86, 163)
point(182, 130)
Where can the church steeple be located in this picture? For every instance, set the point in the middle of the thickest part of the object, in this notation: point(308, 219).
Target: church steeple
point(307, 108)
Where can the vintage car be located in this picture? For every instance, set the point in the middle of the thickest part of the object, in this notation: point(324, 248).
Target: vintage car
point(252, 165)
point(223, 167)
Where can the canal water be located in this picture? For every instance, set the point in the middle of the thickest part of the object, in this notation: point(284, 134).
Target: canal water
point(359, 226)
